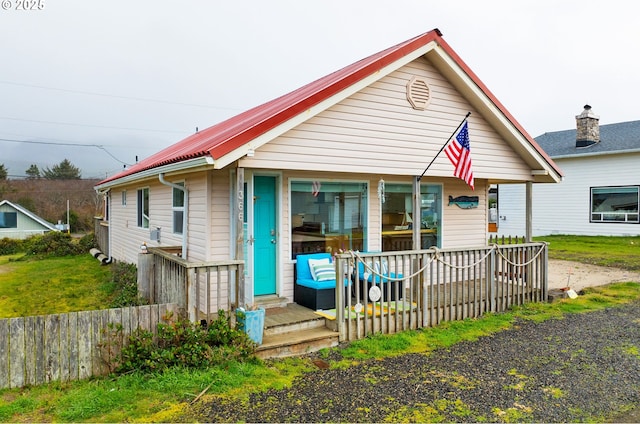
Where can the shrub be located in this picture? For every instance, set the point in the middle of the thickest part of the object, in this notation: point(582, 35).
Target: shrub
point(184, 344)
point(87, 242)
point(10, 246)
point(125, 286)
point(53, 243)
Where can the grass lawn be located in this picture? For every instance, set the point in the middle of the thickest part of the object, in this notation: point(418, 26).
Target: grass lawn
point(52, 285)
point(620, 252)
point(166, 397)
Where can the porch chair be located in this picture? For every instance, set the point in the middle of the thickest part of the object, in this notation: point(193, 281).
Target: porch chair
point(315, 286)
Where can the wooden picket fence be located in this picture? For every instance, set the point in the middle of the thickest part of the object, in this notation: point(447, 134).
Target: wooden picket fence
point(71, 346)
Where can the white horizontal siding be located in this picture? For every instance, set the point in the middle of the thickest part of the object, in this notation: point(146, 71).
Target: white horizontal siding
point(564, 208)
point(377, 129)
point(220, 218)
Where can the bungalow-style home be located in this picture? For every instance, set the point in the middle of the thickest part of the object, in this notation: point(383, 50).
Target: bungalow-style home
point(599, 194)
point(17, 222)
point(329, 167)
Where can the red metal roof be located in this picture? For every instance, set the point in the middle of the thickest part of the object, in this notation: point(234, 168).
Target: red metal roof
point(226, 136)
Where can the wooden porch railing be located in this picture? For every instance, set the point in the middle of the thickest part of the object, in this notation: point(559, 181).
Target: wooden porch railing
point(201, 288)
point(424, 288)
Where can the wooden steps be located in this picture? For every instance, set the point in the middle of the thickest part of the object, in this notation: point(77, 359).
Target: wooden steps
point(294, 330)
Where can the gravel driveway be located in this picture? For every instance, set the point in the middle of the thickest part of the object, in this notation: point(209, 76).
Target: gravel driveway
point(584, 367)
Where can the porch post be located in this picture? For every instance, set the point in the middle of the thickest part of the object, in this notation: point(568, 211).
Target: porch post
point(529, 211)
point(241, 301)
point(417, 219)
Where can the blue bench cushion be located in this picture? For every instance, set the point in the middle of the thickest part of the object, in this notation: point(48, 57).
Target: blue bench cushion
point(317, 285)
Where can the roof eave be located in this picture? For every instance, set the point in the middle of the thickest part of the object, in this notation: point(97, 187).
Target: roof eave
point(190, 165)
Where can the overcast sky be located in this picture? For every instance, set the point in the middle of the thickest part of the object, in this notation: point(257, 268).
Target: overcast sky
point(107, 81)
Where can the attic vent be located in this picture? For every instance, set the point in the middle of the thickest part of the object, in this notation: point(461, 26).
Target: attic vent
point(418, 93)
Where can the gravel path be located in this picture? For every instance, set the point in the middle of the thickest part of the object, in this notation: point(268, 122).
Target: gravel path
point(584, 367)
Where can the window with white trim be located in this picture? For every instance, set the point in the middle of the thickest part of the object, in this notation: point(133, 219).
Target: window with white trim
point(178, 209)
point(8, 220)
point(615, 204)
point(143, 208)
point(124, 197)
point(328, 216)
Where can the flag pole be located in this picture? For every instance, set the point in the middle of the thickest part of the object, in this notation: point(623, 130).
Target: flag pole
point(443, 146)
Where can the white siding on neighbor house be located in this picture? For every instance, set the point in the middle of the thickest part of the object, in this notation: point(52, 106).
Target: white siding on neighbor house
point(564, 208)
point(25, 225)
point(377, 129)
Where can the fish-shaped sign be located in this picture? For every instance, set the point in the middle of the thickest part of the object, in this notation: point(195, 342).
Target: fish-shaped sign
point(464, 202)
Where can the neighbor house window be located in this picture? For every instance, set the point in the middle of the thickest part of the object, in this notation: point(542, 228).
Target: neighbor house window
point(124, 197)
point(614, 204)
point(328, 216)
point(398, 218)
point(143, 208)
point(8, 220)
point(178, 209)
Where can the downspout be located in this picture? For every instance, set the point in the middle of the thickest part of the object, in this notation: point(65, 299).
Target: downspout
point(184, 215)
point(107, 194)
point(110, 211)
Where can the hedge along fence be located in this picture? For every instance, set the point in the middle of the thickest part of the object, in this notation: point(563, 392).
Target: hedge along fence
point(72, 346)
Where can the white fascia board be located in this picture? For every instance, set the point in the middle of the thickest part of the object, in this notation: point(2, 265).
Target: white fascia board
point(191, 164)
point(591, 154)
point(322, 106)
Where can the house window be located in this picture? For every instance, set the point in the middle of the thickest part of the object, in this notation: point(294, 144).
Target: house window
point(178, 209)
point(398, 218)
point(143, 208)
point(614, 204)
point(328, 216)
point(8, 220)
point(124, 197)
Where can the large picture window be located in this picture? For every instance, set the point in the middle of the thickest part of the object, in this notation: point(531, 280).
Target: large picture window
point(328, 216)
point(143, 208)
point(8, 220)
point(614, 204)
point(398, 218)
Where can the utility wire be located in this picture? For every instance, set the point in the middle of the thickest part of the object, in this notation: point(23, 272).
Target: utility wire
point(140, 99)
point(101, 147)
point(89, 125)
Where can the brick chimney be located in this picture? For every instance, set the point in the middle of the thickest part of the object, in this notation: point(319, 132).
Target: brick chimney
point(588, 128)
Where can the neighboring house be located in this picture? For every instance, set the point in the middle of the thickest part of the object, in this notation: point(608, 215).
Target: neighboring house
point(329, 166)
point(17, 222)
point(599, 194)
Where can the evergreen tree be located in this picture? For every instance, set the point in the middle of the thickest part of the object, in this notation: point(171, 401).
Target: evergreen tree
point(3, 172)
point(63, 171)
point(33, 173)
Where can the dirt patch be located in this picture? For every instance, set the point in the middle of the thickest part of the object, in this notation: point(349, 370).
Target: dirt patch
point(578, 275)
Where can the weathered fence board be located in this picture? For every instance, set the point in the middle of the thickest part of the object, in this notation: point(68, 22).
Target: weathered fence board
point(72, 346)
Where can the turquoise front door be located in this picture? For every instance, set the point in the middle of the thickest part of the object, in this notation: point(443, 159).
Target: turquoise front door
point(265, 235)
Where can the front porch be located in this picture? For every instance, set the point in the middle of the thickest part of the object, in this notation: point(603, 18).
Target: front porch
point(432, 286)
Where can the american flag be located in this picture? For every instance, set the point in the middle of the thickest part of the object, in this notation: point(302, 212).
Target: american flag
point(459, 153)
point(315, 188)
